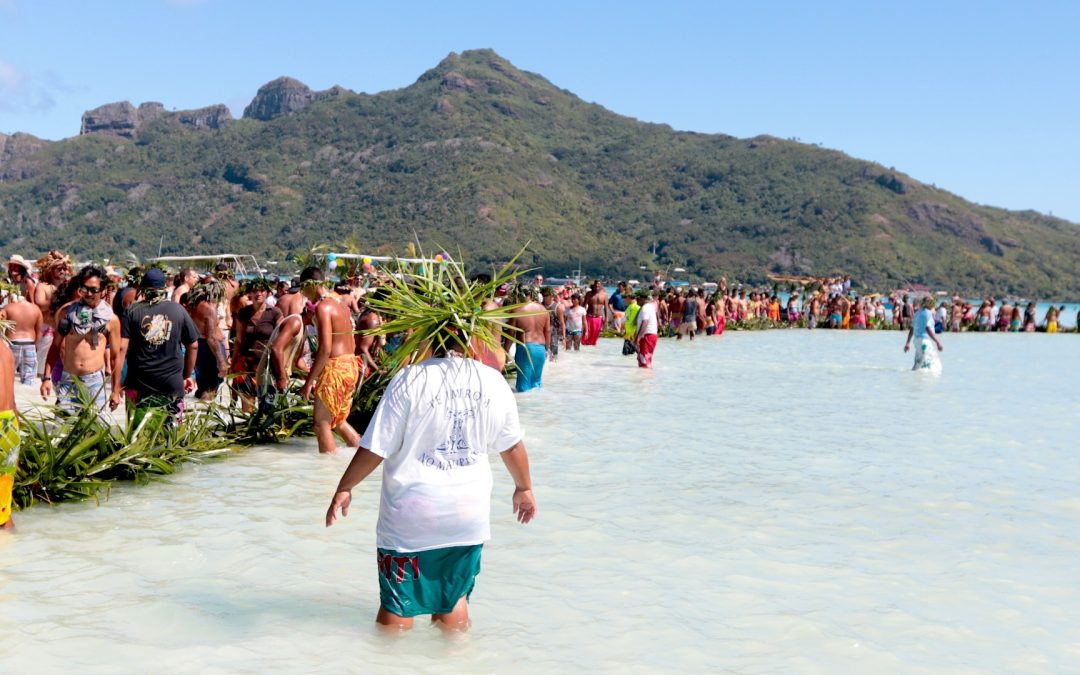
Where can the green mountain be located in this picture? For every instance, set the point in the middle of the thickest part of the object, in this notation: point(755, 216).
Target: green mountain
point(479, 157)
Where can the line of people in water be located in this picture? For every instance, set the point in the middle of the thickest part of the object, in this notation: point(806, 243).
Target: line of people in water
point(688, 310)
point(258, 335)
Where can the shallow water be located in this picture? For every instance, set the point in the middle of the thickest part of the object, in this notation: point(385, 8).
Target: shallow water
point(764, 502)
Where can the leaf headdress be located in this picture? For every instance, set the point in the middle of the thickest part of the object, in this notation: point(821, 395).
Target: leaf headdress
point(439, 310)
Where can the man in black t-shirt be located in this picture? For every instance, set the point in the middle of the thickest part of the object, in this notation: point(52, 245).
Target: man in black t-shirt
point(152, 334)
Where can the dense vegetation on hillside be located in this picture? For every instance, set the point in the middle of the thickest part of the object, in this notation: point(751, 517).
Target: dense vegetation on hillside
point(481, 157)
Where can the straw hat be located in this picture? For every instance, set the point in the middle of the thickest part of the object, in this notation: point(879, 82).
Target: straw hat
point(20, 261)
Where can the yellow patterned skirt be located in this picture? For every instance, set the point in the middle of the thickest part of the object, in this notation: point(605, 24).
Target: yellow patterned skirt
point(9, 460)
point(337, 384)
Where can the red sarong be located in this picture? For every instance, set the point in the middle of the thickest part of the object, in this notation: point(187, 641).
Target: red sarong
point(594, 324)
point(646, 345)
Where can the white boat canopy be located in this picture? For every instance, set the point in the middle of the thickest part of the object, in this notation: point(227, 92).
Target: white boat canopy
point(241, 264)
point(382, 258)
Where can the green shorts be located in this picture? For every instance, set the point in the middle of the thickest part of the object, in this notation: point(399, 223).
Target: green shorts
point(427, 582)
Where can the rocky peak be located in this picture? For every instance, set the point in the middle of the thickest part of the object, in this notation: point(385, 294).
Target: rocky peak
point(117, 119)
point(14, 151)
point(210, 117)
point(123, 120)
point(19, 145)
point(285, 96)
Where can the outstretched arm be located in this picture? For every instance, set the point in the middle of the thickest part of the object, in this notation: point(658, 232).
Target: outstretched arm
point(362, 464)
point(516, 460)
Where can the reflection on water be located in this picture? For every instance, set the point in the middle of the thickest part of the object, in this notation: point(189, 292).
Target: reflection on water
point(785, 501)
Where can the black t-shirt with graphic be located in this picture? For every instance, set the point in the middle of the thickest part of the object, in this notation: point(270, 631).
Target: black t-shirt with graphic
point(155, 335)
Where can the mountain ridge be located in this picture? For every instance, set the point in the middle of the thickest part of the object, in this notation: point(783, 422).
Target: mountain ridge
point(479, 154)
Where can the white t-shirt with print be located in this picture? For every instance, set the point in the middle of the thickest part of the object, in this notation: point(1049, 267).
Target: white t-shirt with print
point(434, 428)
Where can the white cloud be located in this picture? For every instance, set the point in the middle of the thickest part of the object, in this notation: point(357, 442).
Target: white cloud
point(10, 77)
point(20, 94)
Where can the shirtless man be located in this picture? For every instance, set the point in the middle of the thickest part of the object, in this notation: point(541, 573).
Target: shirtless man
point(813, 311)
point(23, 335)
point(335, 371)
point(690, 308)
point(183, 282)
point(9, 435)
point(293, 301)
point(212, 359)
point(367, 345)
point(87, 335)
point(676, 307)
point(534, 331)
point(595, 309)
point(556, 312)
point(223, 273)
point(345, 297)
point(663, 309)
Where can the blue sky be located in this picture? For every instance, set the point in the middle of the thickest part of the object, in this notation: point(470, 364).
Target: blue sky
point(980, 98)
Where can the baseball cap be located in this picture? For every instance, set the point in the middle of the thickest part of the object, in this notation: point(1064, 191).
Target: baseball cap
point(153, 278)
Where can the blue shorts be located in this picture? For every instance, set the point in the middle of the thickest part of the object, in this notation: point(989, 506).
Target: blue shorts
point(427, 582)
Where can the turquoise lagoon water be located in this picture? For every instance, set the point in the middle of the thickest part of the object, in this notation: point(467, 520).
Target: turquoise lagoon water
point(788, 501)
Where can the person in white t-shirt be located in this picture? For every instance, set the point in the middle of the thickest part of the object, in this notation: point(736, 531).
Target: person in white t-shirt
point(433, 431)
point(647, 328)
point(575, 323)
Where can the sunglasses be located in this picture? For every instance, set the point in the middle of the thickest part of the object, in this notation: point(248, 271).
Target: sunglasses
point(92, 289)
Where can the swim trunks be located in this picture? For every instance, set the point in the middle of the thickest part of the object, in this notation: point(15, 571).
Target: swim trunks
point(337, 384)
point(206, 369)
point(427, 582)
point(9, 460)
point(530, 358)
point(67, 390)
point(26, 360)
point(619, 321)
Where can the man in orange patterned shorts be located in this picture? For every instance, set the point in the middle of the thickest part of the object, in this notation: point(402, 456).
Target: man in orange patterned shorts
point(335, 371)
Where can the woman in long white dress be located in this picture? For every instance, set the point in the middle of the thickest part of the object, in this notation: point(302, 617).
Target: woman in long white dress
point(922, 332)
